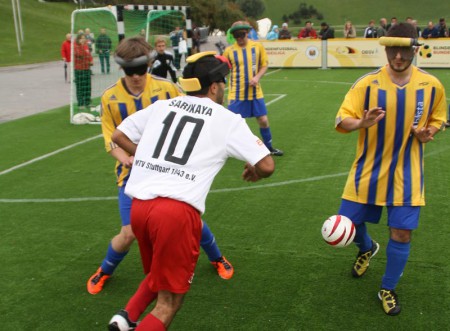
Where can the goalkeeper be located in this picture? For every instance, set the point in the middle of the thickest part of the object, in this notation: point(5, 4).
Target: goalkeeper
point(163, 62)
point(136, 91)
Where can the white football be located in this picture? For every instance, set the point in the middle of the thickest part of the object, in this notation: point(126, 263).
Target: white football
point(118, 322)
point(338, 231)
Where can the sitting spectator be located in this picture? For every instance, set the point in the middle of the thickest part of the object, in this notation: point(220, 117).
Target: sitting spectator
point(442, 29)
point(273, 34)
point(326, 32)
point(413, 22)
point(393, 22)
point(349, 30)
point(307, 32)
point(430, 31)
point(381, 30)
point(371, 30)
point(284, 32)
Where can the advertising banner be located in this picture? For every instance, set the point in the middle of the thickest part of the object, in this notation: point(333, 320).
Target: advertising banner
point(434, 53)
point(345, 53)
point(355, 53)
point(293, 54)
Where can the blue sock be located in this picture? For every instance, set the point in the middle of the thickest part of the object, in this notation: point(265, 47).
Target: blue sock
point(362, 238)
point(267, 137)
point(397, 254)
point(208, 243)
point(112, 260)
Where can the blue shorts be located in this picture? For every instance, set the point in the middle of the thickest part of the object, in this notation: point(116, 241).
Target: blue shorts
point(248, 108)
point(124, 206)
point(399, 217)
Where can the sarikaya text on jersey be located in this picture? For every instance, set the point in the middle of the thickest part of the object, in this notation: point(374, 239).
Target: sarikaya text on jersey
point(191, 108)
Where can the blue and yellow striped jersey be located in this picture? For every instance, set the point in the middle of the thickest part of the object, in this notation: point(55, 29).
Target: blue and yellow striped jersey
point(246, 62)
point(388, 169)
point(118, 103)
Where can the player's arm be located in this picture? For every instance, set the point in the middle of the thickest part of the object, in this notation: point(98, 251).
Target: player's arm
point(119, 138)
point(369, 118)
point(263, 169)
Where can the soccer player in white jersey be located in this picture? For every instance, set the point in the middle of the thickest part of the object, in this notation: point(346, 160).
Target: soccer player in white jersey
point(131, 93)
point(179, 145)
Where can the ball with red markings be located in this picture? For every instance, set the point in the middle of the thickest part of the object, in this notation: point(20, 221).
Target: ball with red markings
point(338, 231)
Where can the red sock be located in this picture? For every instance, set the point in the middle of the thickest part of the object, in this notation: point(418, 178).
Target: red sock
point(151, 323)
point(140, 301)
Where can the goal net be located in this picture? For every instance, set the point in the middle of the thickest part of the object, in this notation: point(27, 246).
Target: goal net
point(93, 68)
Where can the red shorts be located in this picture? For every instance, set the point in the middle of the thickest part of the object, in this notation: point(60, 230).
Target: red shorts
point(168, 233)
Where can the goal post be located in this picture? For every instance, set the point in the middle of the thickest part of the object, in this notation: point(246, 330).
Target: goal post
point(116, 22)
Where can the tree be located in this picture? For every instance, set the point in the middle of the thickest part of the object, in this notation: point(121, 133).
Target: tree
point(252, 8)
point(303, 12)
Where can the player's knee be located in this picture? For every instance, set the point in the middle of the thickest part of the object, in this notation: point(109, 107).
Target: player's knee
point(127, 235)
point(400, 235)
point(263, 122)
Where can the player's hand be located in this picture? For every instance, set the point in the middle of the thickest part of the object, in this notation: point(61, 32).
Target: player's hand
point(254, 81)
point(249, 173)
point(423, 134)
point(372, 117)
point(129, 162)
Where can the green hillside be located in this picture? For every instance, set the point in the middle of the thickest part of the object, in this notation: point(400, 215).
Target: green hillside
point(46, 23)
point(360, 12)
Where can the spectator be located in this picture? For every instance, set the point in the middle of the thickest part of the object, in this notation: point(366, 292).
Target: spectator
point(176, 37)
point(284, 32)
point(103, 48)
point(442, 29)
point(326, 32)
point(195, 39)
point(371, 30)
point(65, 53)
point(307, 32)
point(252, 34)
point(90, 40)
point(349, 30)
point(143, 33)
point(273, 34)
point(393, 22)
point(166, 208)
point(82, 64)
point(249, 63)
point(413, 22)
point(430, 31)
point(163, 62)
point(381, 30)
point(388, 171)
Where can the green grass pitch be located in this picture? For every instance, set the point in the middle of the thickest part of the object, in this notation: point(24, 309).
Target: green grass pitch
point(58, 213)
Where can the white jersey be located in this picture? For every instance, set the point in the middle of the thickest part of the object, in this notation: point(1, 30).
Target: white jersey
point(182, 145)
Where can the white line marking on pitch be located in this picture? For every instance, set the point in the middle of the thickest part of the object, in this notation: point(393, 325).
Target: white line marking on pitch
point(48, 155)
point(308, 81)
point(271, 72)
point(223, 190)
point(280, 96)
point(288, 182)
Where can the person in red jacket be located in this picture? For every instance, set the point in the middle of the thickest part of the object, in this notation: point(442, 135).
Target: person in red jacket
point(307, 32)
point(65, 53)
point(82, 63)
